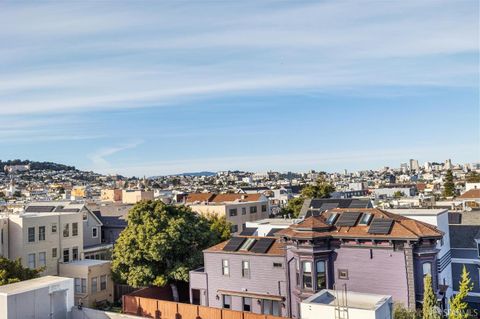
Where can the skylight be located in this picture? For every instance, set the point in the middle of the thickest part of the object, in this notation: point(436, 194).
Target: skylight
point(247, 244)
point(331, 218)
point(365, 219)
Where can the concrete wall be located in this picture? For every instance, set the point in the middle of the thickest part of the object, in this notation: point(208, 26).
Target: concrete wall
point(264, 278)
point(111, 195)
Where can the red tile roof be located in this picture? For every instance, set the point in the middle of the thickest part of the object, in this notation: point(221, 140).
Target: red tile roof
point(470, 194)
point(402, 227)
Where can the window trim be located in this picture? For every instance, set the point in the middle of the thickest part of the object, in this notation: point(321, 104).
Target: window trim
point(40, 238)
point(225, 267)
point(223, 301)
point(96, 232)
point(423, 268)
point(29, 236)
point(304, 274)
point(53, 228)
point(34, 260)
point(44, 253)
point(74, 234)
point(340, 276)
point(246, 271)
point(325, 274)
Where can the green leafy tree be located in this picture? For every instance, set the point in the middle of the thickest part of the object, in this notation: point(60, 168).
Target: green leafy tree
point(162, 243)
point(449, 185)
point(12, 271)
point(321, 189)
point(219, 227)
point(400, 312)
point(293, 207)
point(429, 310)
point(398, 194)
point(473, 177)
point(458, 305)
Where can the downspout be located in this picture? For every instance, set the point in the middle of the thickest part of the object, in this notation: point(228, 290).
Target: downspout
point(59, 252)
point(289, 292)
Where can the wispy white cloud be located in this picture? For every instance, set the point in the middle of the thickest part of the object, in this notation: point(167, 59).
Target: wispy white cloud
point(77, 57)
point(99, 157)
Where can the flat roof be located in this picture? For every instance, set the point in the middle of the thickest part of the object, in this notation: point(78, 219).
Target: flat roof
point(32, 284)
point(418, 211)
point(275, 221)
point(357, 300)
point(88, 262)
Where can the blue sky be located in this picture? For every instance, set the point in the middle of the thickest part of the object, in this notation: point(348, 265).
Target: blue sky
point(147, 88)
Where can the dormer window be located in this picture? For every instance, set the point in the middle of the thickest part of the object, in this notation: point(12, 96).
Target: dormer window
point(331, 219)
point(366, 217)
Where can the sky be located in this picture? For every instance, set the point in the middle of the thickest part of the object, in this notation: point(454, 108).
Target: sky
point(153, 88)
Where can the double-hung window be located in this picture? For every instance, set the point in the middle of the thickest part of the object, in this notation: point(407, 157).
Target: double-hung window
point(307, 274)
point(225, 267)
point(321, 275)
point(31, 234)
point(246, 269)
point(41, 233)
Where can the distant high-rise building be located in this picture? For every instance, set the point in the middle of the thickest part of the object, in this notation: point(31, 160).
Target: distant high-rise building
point(414, 165)
point(448, 164)
point(427, 166)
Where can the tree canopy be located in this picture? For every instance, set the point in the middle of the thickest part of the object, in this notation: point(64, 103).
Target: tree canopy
point(162, 243)
point(473, 177)
point(429, 309)
point(458, 305)
point(12, 271)
point(449, 185)
point(321, 189)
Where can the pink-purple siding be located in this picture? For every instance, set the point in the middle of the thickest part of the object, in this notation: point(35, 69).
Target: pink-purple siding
point(385, 273)
point(264, 278)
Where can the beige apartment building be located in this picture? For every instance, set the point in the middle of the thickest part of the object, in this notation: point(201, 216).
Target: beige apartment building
point(46, 234)
point(133, 196)
point(238, 208)
point(111, 195)
point(92, 279)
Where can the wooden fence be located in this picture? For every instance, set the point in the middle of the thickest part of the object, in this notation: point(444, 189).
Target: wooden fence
point(160, 309)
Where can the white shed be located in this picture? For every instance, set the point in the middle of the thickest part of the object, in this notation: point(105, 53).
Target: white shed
point(331, 304)
point(44, 297)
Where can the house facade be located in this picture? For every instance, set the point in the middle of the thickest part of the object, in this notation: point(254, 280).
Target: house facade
point(238, 208)
point(45, 234)
point(364, 250)
point(465, 248)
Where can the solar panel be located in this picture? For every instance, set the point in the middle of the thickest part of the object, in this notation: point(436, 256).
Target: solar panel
point(234, 244)
point(262, 245)
point(348, 219)
point(358, 204)
point(39, 209)
point(248, 231)
point(272, 232)
point(380, 226)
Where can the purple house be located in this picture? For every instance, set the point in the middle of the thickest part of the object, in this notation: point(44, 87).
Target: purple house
point(365, 250)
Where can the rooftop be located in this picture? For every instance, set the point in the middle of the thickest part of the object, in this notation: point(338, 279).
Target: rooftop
point(28, 285)
point(88, 262)
point(418, 211)
point(470, 194)
point(354, 299)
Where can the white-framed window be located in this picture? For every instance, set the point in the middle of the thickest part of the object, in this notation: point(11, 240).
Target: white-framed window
point(31, 234)
point(54, 228)
point(78, 287)
point(74, 229)
point(42, 259)
point(66, 230)
point(84, 285)
point(103, 282)
point(41, 233)
point(94, 287)
point(247, 304)
point(245, 269)
point(427, 268)
point(75, 253)
point(66, 255)
point(31, 261)
point(270, 307)
point(307, 274)
point(54, 252)
point(225, 267)
point(227, 301)
point(95, 232)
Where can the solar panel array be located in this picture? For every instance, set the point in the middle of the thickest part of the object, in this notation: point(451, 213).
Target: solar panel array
point(234, 244)
point(348, 219)
point(39, 209)
point(272, 232)
point(380, 226)
point(248, 231)
point(262, 245)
